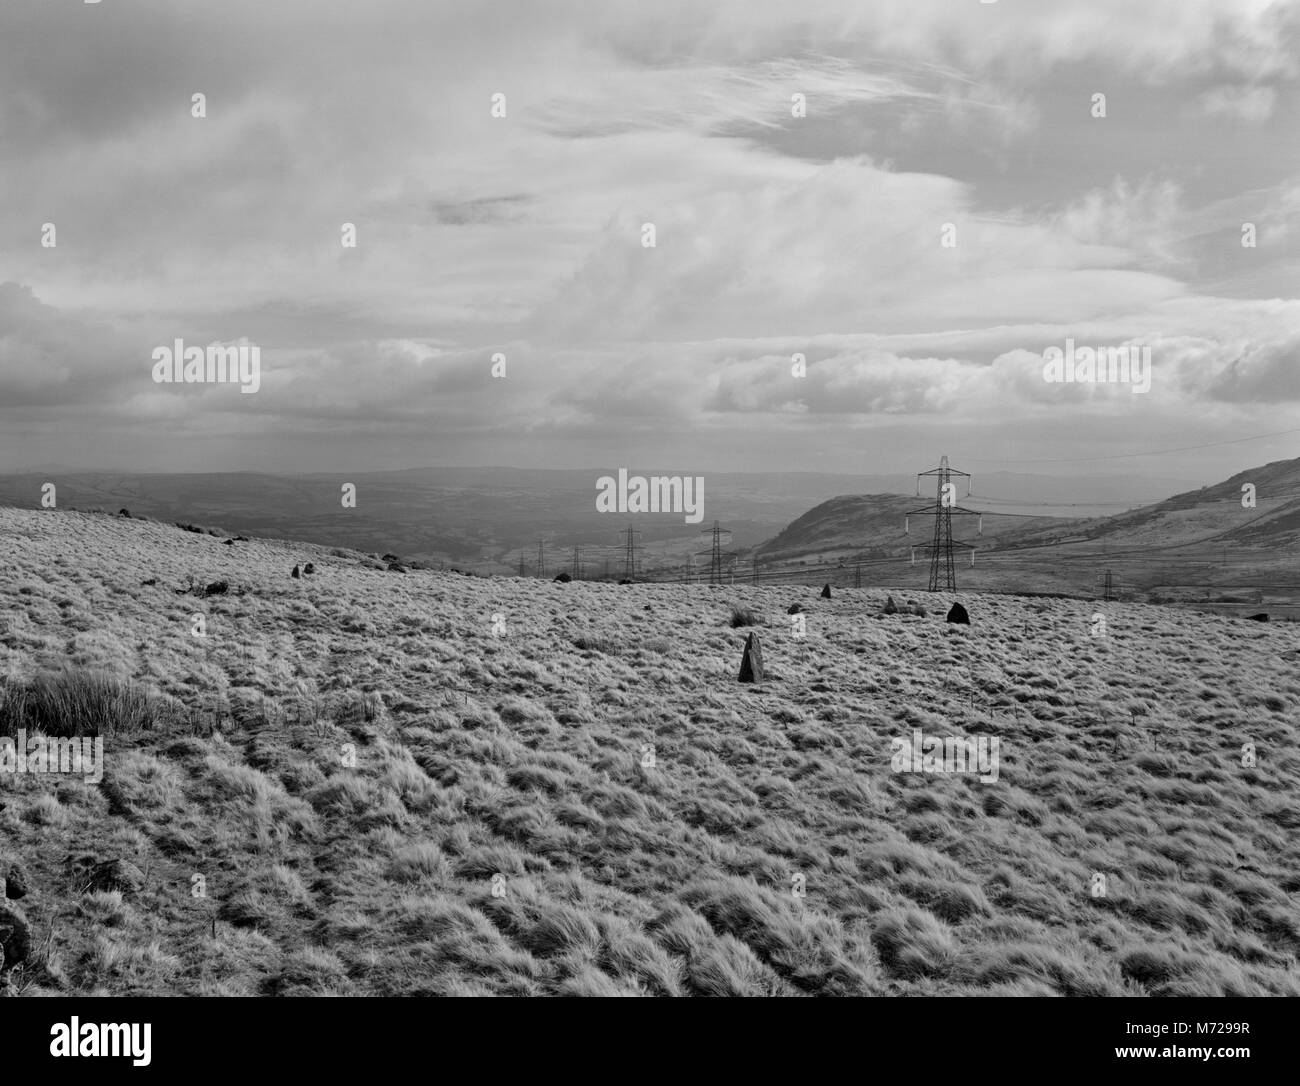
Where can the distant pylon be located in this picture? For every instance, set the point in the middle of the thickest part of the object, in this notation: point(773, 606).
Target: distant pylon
point(577, 562)
point(631, 546)
point(857, 575)
point(942, 573)
point(541, 559)
point(1108, 591)
point(715, 553)
point(523, 571)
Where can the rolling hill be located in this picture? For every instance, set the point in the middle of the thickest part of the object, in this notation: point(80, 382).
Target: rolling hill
point(1195, 545)
point(367, 782)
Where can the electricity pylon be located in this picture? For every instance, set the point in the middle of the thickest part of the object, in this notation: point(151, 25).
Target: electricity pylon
point(577, 563)
point(629, 552)
point(942, 574)
point(715, 552)
point(541, 558)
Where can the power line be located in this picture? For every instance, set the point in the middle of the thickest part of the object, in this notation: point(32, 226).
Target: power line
point(1128, 456)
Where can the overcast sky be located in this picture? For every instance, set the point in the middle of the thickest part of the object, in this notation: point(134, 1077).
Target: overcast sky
point(775, 234)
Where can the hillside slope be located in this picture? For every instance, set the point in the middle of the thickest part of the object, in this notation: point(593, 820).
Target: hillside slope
point(429, 783)
point(853, 524)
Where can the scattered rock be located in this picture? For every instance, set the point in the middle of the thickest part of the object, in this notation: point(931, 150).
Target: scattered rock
point(310, 567)
point(392, 558)
point(295, 572)
point(124, 513)
point(891, 608)
point(647, 607)
point(958, 614)
point(117, 875)
point(151, 580)
point(562, 578)
point(751, 664)
point(625, 580)
point(396, 567)
point(217, 588)
point(227, 542)
point(794, 609)
point(1261, 617)
point(15, 936)
point(826, 591)
point(15, 881)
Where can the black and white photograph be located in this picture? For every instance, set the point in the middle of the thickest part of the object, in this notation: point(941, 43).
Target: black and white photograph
point(650, 498)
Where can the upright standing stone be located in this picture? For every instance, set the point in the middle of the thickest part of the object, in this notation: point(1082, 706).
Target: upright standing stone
point(958, 614)
point(826, 591)
point(751, 664)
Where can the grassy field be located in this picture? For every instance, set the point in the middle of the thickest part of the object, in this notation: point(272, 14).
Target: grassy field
point(367, 781)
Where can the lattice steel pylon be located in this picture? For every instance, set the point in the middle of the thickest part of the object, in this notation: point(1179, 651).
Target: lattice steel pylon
point(541, 558)
point(631, 546)
point(942, 574)
point(577, 563)
point(715, 553)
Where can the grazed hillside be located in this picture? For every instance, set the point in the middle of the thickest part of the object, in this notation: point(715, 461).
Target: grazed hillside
point(853, 524)
point(501, 728)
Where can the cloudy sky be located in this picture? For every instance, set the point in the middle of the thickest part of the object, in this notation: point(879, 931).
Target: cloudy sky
point(775, 234)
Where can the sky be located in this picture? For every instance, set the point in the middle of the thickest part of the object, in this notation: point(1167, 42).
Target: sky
point(775, 234)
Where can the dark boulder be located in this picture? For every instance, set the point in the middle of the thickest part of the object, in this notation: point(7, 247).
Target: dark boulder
point(562, 578)
point(891, 608)
point(15, 881)
point(309, 568)
point(217, 588)
point(15, 936)
point(120, 875)
point(396, 567)
point(296, 573)
point(826, 591)
point(1261, 617)
point(625, 580)
point(958, 614)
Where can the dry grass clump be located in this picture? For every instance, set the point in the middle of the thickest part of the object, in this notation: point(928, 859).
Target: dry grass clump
point(76, 703)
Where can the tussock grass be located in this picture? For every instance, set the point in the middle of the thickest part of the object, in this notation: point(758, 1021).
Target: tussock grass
point(77, 703)
point(387, 798)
